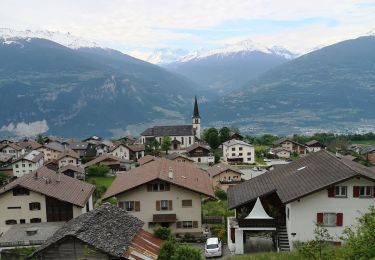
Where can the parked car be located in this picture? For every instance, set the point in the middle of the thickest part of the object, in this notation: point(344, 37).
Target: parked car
point(212, 247)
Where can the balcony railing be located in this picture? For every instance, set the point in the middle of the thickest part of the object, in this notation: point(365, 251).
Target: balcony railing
point(256, 223)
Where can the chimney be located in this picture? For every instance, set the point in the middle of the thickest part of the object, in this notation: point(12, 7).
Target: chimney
point(58, 177)
point(36, 175)
point(170, 173)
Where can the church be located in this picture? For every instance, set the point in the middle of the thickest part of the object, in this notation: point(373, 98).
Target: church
point(182, 136)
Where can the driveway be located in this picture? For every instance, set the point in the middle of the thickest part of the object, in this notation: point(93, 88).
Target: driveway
point(226, 251)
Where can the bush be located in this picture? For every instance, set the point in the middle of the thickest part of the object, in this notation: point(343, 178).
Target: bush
point(218, 231)
point(185, 252)
point(167, 250)
point(98, 170)
point(162, 233)
point(220, 194)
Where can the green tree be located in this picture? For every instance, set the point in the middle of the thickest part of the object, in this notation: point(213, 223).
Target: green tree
point(185, 252)
point(207, 132)
point(360, 240)
point(156, 147)
point(3, 179)
point(162, 233)
point(167, 250)
point(224, 134)
point(98, 170)
point(166, 143)
point(39, 139)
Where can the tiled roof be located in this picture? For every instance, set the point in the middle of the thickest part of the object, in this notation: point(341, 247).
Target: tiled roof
point(311, 173)
point(67, 189)
point(197, 145)
point(147, 159)
point(185, 175)
point(107, 228)
point(282, 140)
point(32, 156)
point(73, 168)
point(236, 142)
point(171, 130)
point(221, 167)
point(102, 158)
point(173, 156)
point(29, 144)
point(314, 142)
point(69, 153)
point(55, 146)
point(12, 145)
point(136, 147)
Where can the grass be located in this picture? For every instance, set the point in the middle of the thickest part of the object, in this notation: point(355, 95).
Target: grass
point(269, 256)
point(364, 142)
point(216, 208)
point(105, 181)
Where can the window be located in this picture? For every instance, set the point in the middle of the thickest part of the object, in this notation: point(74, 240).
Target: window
point(340, 191)
point(35, 220)
point(22, 221)
point(240, 148)
point(23, 165)
point(187, 203)
point(34, 206)
point(10, 222)
point(20, 192)
point(187, 224)
point(287, 213)
point(129, 205)
point(189, 139)
point(199, 159)
point(152, 225)
point(233, 154)
point(249, 159)
point(233, 148)
point(240, 154)
point(249, 153)
point(164, 204)
point(329, 219)
point(365, 191)
point(17, 165)
point(29, 164)
point(17, 207)
point(158, 186)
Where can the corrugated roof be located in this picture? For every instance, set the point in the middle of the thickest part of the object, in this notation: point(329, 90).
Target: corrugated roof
point(292, 181)
point(185, 175)
point(67, 189)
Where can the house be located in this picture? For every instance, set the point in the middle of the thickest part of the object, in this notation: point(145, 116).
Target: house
point(236, 151)
point(136, 151)
point(84, 149)
point(68, 157)
point(318, 188)
point(182, 135)
point(236, 136)
point(314, 146)
point(223, 175)
point(179, 158)
point(113, 162)
point(6, 163)
point(291, 146)
point(369, 153)
point(27, 163)
point(43, 196)
point(107, 232)
point(163, 193)
point(357, 148)
point(27, 235)
point(280, 152)
point(200, 153)
point(51, 150)
point(13, 149)
point(73, 171)
point(121, 151)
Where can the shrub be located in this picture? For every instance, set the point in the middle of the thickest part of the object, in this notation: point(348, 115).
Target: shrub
point(167, 250)
point(162, 233)
point(218, 231)
point(185, 252)
point(98, 170)
point(220, 194)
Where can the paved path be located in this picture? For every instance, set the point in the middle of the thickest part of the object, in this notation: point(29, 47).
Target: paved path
point(226, 251)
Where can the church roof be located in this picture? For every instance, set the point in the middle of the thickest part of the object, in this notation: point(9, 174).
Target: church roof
point(171, 130)
point(196, 109)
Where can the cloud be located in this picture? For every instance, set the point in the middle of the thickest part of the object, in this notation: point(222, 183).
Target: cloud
point(23, 129)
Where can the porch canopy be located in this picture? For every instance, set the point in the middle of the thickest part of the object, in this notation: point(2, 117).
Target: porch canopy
point(258, 219)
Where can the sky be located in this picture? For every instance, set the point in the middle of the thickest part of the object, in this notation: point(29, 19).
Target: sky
point(140, 26)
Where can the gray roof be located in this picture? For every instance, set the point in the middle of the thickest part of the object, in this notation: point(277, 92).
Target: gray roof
point(368, 149)
point(55, 146)
point(282, 140)
point(171, 130)
point(235, 142)
point(17, 233)
point(78, 145)
point(107, 228)
point(311, 173)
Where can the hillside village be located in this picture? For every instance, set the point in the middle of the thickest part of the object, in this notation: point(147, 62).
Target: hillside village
point(61, 197)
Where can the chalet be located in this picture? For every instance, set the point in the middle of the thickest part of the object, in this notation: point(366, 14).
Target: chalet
point(289, 200)
point(179, 158)
point(236, 151)
point(43, 196)
point(200, 153)
point(163, 193)
point(369, 153)
point(136, 151)
point(73, 171)
point(280, 152)
point(27, 163)
point(13, 149)
point(182, 135)
point(84, 149)
point(68, 157)
point(314, 146)
point(223, 175)
point(51, 150)
point(113, 162)
point(107, 232)
point(120, 151)
point(291, 146)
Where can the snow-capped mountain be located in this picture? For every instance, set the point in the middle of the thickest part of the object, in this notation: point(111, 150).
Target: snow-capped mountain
point(66, 39)
point(240, 48)
point(166, 55)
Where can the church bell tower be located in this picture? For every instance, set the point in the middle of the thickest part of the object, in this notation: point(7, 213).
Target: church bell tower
point(196, 120)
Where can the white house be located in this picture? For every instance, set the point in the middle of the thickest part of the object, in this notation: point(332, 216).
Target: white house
point(121, 151)
point(200, 154)
point(13, 149)
point(68, 157)
point(238, 151)
point(182, 136)
point(280, 152)
point(27, 163)
point(318, 188)
point(314, 146)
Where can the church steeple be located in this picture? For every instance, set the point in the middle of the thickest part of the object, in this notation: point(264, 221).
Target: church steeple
point(196, 120)
point(196, 109)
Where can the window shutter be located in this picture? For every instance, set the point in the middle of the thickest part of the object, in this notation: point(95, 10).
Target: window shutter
point(355, 191)
point(179, 224)
point(319, 218)
point(149, 187)
point(137, 206)
point(158, 205)
point(339, 218)
point(195, 224)
point(233, 234)
point(121, 204)
point(170, 205)
point(167, 187)
point(331, 192)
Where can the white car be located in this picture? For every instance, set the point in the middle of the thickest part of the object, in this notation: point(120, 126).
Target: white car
point(212, 248)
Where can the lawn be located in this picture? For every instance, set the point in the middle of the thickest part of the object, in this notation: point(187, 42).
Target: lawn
point(269, 256)
point(105, 181)
point(364, 142)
